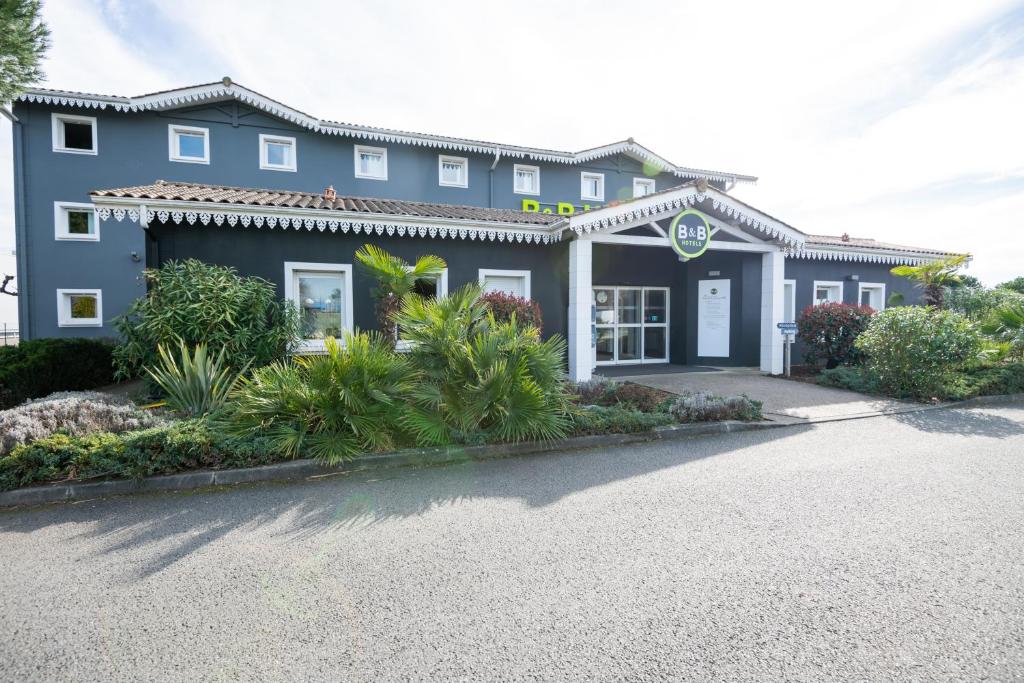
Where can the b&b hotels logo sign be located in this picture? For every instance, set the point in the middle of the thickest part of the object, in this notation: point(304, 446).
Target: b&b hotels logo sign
point(690, 234)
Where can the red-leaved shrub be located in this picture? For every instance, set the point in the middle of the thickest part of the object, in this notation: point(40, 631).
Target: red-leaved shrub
point(504, 306)
point(829, 330)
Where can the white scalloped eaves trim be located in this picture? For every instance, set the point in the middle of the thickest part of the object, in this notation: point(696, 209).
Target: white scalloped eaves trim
point(198, 94)
point(366, 226)
point(891, 258)
point(732, 209)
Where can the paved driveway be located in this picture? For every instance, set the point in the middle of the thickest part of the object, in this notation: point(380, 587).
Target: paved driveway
point(880, 549)
point(781, 397)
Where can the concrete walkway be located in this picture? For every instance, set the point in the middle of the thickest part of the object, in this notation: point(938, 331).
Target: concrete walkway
point(783, 399)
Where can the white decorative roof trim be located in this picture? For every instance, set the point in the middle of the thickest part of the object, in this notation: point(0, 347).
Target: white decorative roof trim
point(611, 216)
point(360, 223)
point(864, 256)
point(218, 91)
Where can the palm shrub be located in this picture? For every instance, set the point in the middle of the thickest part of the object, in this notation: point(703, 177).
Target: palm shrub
point(1006, 325)
point(395, 279)
point(199, 384)
point(481, 378)
point(934, 278)
point(330, 406)
point(194, 302)
point(915, 351)
point(828, 332)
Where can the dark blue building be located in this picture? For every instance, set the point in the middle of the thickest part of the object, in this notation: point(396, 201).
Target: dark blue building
point(106, 186)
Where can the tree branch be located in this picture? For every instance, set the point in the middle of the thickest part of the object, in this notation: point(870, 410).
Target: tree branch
point(3, 286)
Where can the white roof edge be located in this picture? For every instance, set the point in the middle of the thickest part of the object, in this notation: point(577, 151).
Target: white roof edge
point(227, 89)
point(877, 255)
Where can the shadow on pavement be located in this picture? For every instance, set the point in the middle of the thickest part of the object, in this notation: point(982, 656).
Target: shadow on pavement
point(180, 524)
point(965, 422)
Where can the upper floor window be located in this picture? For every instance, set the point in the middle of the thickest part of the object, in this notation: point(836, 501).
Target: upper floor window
point(452, 171)
point(527, 179)
point(643, 187)
point(371, 162)
point(188, 144)
point(592, 186)
point(74, 134)
point(277, 153)
point(74, 221)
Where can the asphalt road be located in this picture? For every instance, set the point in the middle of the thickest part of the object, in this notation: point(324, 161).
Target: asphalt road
point(885, 548)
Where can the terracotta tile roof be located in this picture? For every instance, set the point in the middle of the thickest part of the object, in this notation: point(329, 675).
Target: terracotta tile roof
point(221, 194)
point(827, 241)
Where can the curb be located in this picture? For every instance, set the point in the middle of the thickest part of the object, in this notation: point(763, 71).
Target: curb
point(294, 470)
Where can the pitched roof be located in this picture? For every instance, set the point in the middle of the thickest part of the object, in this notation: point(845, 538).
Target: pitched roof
point(861, 243)
point(227, 89)
point(225, 195)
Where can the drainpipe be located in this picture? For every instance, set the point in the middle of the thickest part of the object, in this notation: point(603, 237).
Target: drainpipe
point(490, 178)
point(21, 234)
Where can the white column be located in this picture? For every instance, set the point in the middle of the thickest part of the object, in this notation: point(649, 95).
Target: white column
point(581, 353)
point(773, 273)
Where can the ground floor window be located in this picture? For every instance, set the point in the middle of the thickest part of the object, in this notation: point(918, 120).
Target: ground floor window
point(632, 324)
point(322, 293)
point(514, 282)
point(79, 308)
point(826, 292)
point(872, 294)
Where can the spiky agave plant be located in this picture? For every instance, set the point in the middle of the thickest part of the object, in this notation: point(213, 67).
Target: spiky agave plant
point(197, 385)
point(330, 406)
point(395, 280)
point(481, 377)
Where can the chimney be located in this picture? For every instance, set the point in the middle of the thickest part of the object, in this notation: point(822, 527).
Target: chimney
point(329, 194)
point(845, 237)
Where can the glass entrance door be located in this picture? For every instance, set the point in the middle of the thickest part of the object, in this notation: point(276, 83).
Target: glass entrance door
point(632, 325)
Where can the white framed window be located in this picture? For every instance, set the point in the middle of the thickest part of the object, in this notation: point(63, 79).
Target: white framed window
point(79, 308)
point(515, 282)
point(74, 134)
point(871, 294)
point(277, 153)
point(828, 292)
point(452, 171)
point(592, 186)
point(789, 301)
point(188, 144)
point(643, 187)
point(75, 221)
point(526, 179)
point(371, 162)
point(322, 293)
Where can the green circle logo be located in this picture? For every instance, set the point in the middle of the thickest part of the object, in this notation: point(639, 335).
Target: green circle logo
point(690, 233)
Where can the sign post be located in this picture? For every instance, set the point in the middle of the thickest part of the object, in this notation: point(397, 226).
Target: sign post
point(788, 331)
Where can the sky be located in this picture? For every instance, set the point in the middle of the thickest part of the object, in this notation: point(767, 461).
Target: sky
point(894, 120)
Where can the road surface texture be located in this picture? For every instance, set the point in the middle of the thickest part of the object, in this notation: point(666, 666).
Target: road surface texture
point(887, 548)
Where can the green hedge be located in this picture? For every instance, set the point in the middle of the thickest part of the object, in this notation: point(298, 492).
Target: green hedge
point(186, 445)
point(37, 368)
point(988, 380)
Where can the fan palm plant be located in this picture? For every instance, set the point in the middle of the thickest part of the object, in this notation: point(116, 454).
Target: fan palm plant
point(1007, 326)
point(933, 278)
point(395, 279)
point(482, 379)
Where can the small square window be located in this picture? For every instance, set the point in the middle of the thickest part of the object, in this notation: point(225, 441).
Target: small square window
point(371, 162)
point(74, 134)
point(79, 308)
point(74, 221)
point(452, 171)
point(514, 282)
point(828, 292)
point(643, 187)
point(527, 179)
point(189, 144)
point(872, 294)
point(592, 186)
point(277, 153)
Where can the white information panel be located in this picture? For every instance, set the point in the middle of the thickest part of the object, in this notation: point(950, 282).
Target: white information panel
point(713, 318)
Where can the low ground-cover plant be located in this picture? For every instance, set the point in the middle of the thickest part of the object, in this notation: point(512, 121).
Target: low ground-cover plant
point(195, 383)
point(601, 391)
point(505, 307)
point(40, 367)
point(829, 331)
point(913, 351)
point(479, 375)
point(595, 420)
point(74, 413)
point(853, 378)
point(192, 302)
point(703, 406)
point(173, 447)
point(348, 400)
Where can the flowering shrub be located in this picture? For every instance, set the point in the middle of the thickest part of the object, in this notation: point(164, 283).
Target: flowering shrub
point(915, 351)
point(703, 406)
point(503, 306)
point(74, 413)
point(829, 331)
